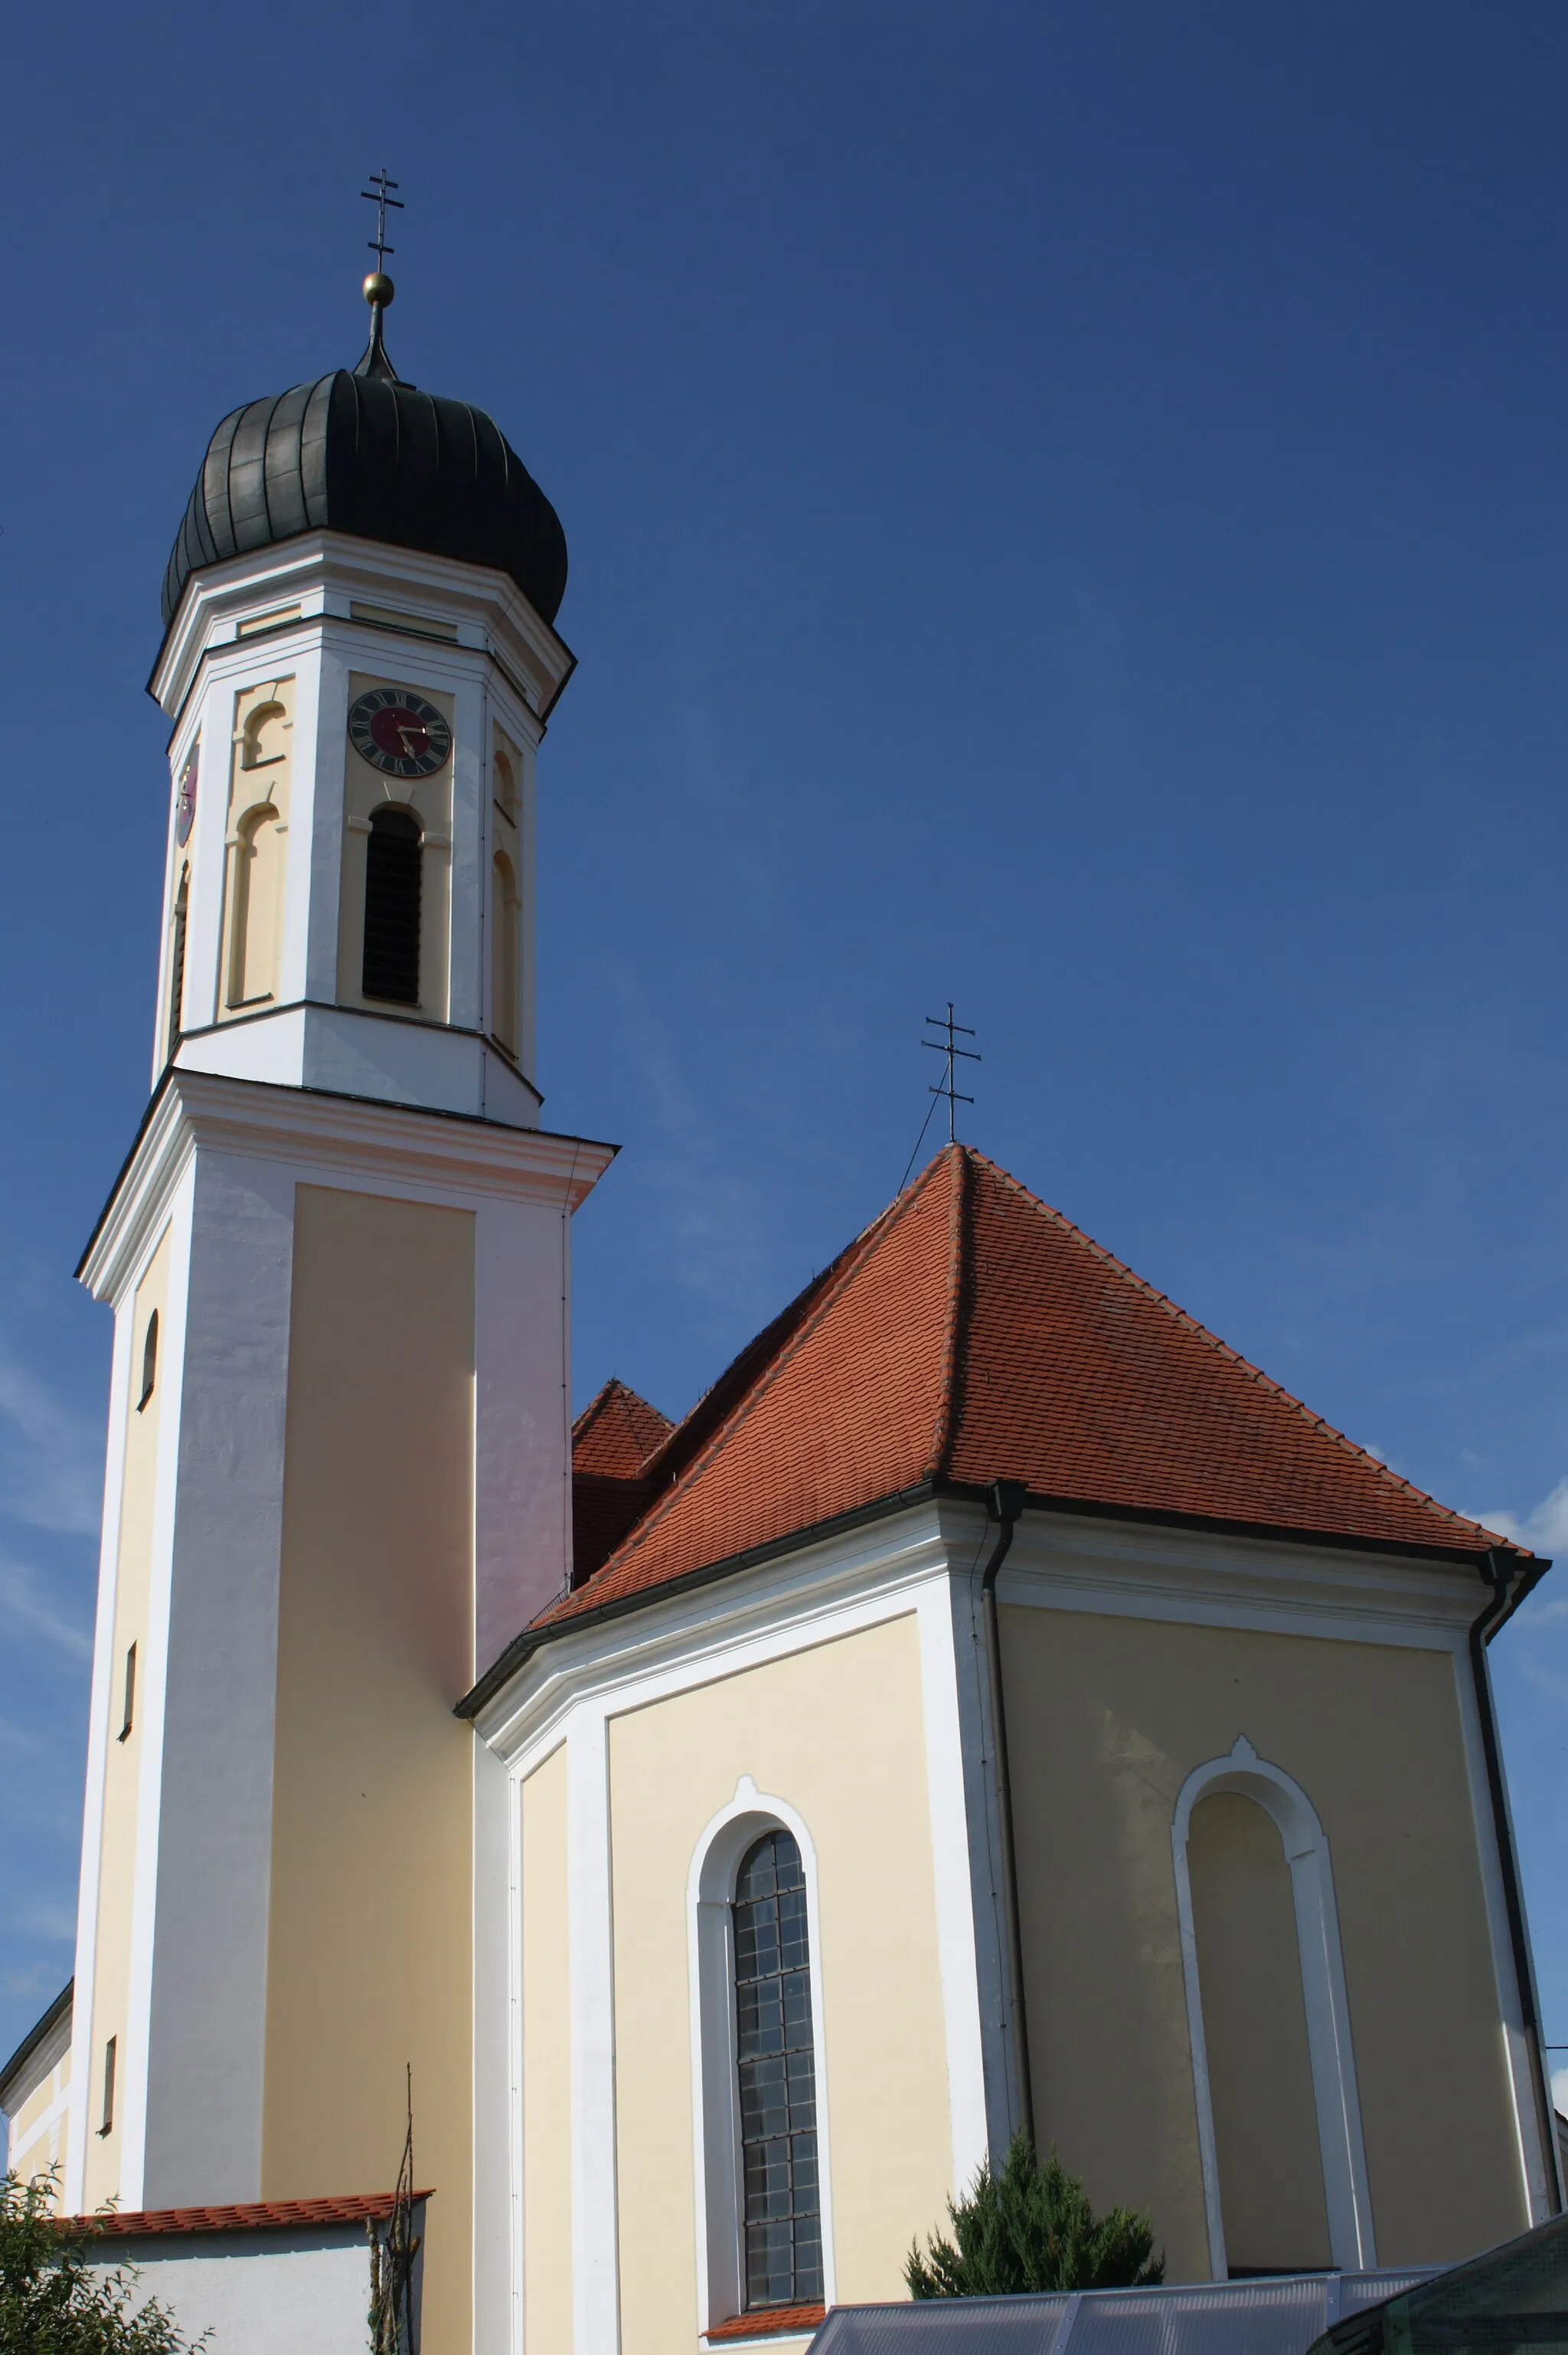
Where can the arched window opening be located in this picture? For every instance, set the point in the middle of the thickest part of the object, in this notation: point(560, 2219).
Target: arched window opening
point(149, 1362)
point(504, 953)
point(1255, 2029)
point(393, 863)
point(777, 2069)
point(176, 960)
point(265, 736)
point(257, 907)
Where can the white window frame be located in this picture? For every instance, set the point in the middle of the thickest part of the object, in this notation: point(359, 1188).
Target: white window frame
point(715, 2078)
point(1346, 2190)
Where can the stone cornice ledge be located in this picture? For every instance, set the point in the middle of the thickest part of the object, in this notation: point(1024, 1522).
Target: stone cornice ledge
point(352, 1136)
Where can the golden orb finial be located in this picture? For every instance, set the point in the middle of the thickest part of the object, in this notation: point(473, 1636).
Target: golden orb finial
point(379, 289)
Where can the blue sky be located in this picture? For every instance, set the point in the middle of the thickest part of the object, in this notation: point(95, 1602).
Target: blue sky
point(1068, 512)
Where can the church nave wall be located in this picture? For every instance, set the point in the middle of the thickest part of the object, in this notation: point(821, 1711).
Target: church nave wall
point(1108, 1716)
point(836, 1733)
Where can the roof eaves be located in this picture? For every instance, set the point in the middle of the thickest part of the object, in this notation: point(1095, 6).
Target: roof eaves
point(35, 2037)
point(546, 1631)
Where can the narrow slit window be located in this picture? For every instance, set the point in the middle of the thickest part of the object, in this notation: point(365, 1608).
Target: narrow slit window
point(393, 863)
point(777, 2066)
point(149, 1362)
point(128, 1714)
point(109, 2056)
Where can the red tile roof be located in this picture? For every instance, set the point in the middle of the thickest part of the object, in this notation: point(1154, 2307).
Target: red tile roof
point(612, 1440)
point(973, 1333)
point(260, 2216)
point(616, 1434)
point(768, 2322)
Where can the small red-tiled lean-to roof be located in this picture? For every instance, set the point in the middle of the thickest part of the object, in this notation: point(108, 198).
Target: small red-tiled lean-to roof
point(258, 2216)
point(970, 1334)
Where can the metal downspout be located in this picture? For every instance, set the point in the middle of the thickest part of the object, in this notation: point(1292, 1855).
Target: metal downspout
point(1006, 1503)
point(1502, 1575)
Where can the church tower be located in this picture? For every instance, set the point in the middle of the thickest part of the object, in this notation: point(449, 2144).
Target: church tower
point(339, 1465)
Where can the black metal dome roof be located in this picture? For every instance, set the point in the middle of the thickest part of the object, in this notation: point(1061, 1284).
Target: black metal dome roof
point(361, 452)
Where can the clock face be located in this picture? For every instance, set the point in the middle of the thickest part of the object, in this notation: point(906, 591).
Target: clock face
point(185, 798)
point(400, 732)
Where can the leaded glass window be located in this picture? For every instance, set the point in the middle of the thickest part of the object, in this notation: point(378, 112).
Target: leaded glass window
point(781, 2207)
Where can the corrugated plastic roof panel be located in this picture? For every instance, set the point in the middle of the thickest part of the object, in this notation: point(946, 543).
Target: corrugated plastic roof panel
point(1279, 2315)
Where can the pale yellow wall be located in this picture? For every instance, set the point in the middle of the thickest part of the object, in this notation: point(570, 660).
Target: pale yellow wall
point(39, 2139)
point(123, 1760)
point(365, 789)
point(1106, 1718)
point(1255, 2029)
point(547, 2064)
point(837, 1732)
point(256, 839)
point(370, 1942)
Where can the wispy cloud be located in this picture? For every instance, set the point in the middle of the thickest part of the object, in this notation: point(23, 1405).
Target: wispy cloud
point(50, 1458)
point(1543, 1531)
point(25, 1608)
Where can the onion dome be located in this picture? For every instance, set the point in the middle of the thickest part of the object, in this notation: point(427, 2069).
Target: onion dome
point(364, 452)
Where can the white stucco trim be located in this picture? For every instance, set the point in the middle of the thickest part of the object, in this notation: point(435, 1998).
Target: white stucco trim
point(134, 2058)
point(1346, 2189)
point(596, 2207)
point(715, 2087)
point(97, 1756)
point(957, 1896)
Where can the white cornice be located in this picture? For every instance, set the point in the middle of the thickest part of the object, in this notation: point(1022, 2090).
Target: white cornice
point(1059, 1562)
point(797, 1591)
point(349, 1136)
point(321, 572)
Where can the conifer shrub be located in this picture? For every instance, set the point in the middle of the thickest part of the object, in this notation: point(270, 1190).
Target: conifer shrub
point(52, 2302)
point(1030, 2227)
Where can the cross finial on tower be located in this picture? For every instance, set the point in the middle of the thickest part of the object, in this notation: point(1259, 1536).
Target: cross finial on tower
point(379, 288)
point(377, 193)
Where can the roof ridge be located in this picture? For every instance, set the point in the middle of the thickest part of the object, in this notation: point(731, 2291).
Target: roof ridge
point(849, 1259)
point(1222, 1349)
point(960, 1258)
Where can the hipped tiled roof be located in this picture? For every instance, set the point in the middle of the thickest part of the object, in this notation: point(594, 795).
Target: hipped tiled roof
point(973, 1334)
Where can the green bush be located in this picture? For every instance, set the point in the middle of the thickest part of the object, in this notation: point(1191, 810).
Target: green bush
point(1031, 2228)
point(52, 2302)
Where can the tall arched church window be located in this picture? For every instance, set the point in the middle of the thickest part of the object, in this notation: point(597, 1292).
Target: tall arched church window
point(504, 919)
point(176, 960)
point(393, 863)
point(776, 2068)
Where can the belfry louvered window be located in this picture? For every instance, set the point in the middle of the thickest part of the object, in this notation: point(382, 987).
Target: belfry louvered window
point(394, 858)
point(781, 2207)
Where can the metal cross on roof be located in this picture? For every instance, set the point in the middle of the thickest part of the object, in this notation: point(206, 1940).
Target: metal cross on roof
point(950, 1047)
point(376, 194)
